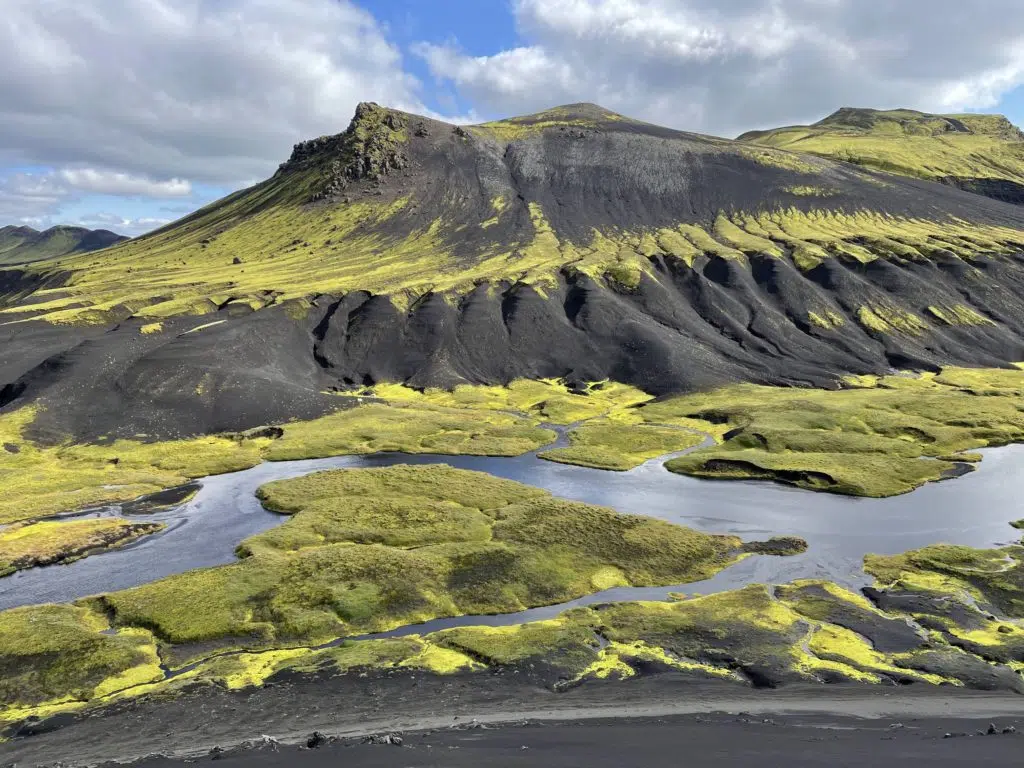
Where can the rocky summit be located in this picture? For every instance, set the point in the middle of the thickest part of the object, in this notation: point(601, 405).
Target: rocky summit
point(575, 243)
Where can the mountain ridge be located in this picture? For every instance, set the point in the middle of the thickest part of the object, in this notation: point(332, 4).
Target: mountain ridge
point(574, 243)
point(24, 244)
point(980, 153)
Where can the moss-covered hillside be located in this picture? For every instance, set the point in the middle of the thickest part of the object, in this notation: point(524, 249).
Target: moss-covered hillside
point(573, 244)
point(978, 153)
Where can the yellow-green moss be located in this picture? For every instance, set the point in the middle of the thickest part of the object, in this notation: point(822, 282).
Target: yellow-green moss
point(826, 318)
point(372, 549)
point(607, 445)
point(877, 438)
point(26, 545)
point(959, 314)
point(890, 320)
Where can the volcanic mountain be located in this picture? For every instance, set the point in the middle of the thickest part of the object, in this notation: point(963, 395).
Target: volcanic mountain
point(978, 153)
point(575, 243)
point(22, 245)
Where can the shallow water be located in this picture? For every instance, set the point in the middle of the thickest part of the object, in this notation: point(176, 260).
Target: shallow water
point(974, 510)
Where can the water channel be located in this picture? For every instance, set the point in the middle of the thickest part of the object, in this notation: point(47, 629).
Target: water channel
point(973, 510)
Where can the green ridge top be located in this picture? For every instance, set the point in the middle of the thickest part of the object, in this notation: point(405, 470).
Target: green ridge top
point(976, 152)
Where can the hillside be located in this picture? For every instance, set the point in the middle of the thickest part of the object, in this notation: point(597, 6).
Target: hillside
point(23, 245)
point(574, 243)
point(978, 153)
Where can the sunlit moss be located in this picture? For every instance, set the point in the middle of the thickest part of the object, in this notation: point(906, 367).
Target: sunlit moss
point(607, 445)
point(372, 549)
point(890, 320)
point(959, 314)
point(26, 545)
point(790, 161)
point(878, 437)
point(910, 143)
point(826, 318)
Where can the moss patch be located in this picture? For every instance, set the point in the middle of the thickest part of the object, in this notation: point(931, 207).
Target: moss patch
point(879, 438)
point(57, 653)
point(27, 545)
point(368, 550)
point(607, 445)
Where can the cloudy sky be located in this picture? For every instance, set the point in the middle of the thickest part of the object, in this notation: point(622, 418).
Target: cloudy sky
point(126, 114)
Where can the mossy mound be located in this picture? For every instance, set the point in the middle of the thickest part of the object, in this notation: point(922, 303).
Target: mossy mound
point(27, 545)
point(371, 549)
point(880, 437)
point(59, 652)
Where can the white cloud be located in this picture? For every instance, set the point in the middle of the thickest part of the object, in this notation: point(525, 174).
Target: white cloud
point(727, 67)
point(212, 92)
point(120, 224)
point(28, 196)
point(114, 183)
point(37, 199)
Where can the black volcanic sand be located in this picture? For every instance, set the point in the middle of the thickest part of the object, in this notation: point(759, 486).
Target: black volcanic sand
point(652, 720)
point(704, 740)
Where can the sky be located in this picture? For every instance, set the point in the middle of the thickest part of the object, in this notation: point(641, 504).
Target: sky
point(128, 114)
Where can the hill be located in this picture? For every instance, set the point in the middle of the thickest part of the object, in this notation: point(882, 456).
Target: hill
point(575, 243)
point(23, 245)
point(978, 153)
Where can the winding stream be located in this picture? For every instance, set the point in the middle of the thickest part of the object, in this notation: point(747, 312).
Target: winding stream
point(973, 510)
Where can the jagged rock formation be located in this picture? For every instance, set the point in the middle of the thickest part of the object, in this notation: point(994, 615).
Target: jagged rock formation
point(574, 243)
point(22, 245)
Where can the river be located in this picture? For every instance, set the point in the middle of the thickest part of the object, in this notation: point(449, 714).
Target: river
point(973, 510)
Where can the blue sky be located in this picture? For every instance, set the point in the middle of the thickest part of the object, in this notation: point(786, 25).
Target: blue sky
point(127, 115)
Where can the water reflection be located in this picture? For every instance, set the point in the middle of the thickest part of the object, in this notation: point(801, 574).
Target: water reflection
point(973, 510)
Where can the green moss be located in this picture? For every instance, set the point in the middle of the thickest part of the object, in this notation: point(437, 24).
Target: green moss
point(827, 319)
point(911, 143)
point(27, 545)
point(545, 399)
point(890, 320)
point(804, 190)
point(40, 480)
point(790, 161)
point(57, 653)
point(884, 438)
point(744, 240)
point(626, 275)
point(368, 550)
point(959, 314)
point(374, 428)
point(607, 445)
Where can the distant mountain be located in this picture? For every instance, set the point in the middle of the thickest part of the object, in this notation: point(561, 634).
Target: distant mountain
point(978, 153)
point(23, 245)
point(575, 243)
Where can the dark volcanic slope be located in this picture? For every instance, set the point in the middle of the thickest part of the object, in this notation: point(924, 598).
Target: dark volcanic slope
point(23, 245)
point(574, 243)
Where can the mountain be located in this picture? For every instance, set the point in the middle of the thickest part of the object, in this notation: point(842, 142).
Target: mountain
point(574, 243)
point(23, 245)
point(978, 153)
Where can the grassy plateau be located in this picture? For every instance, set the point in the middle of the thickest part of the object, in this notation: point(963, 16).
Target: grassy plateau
point(910, 143)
